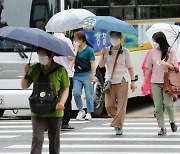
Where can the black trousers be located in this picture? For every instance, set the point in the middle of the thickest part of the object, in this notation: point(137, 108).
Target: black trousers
point(68, 107)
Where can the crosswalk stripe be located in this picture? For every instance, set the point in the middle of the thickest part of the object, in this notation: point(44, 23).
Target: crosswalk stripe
point(15, 131)
point(104, 146)
point(125, 128)
point(150, 133)
point(139, 124)
point(29, 122)
point(8, 136)
point(15, 122)
point(94, 152)
point(16, 126)
point(78, 122)
point(97, 139)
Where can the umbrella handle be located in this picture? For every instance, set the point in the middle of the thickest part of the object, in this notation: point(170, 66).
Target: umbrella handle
point(33, 50)
point(175, 40)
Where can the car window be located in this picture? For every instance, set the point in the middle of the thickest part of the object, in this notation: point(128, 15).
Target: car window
point(9, 46)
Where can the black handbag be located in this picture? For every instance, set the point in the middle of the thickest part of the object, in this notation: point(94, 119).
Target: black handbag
point(81, 65)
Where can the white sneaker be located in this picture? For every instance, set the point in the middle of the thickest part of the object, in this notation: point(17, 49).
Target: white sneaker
point(88, 116)
point(80, 115)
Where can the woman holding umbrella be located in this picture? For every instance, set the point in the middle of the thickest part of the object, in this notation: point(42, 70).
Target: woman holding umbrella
point(60, 81)
point(117, 61)
point(160, 59)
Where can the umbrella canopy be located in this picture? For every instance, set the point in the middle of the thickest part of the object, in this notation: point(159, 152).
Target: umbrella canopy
point(109, 23)
point(172, 33)
point(36, 37)
point(67, 20)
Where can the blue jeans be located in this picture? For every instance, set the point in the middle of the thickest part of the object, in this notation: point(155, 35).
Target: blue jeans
point(83, 80)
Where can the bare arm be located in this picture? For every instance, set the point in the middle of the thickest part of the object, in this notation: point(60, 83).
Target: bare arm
point(65, 93)
point(93, 67)
point(24, 82)
point(170, 66)
point(101, 62)
point(131, 73)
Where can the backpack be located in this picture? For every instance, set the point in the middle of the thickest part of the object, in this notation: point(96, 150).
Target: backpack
point(43, 99)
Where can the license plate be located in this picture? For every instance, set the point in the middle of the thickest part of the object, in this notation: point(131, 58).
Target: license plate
point(1, 100)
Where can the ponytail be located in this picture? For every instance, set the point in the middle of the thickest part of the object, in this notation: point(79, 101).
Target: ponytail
point(82, 37)
point(88, 43)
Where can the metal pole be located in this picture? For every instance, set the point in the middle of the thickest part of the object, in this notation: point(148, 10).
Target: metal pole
point(81, 3)
point(160, 8)
point(62, 5)
point(136, 6)
point(110, 8)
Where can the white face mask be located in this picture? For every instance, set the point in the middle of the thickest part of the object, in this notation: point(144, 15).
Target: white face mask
point(76, 43)
point(43, 60)
point(155, 45)
point(115, 41)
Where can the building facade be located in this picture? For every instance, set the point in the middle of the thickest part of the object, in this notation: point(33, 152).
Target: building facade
point(130, 9)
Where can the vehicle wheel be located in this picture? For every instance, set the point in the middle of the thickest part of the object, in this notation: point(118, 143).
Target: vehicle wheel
point(98, 101)
point(1, 112)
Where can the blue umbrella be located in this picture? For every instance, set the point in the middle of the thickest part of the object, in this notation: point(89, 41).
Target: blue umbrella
point(36, 37)
point(109, 23)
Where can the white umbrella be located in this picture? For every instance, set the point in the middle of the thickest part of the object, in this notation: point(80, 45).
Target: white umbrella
point(172, 33)
point(67, 20)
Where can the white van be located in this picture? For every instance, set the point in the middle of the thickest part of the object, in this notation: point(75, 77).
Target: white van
point(13, 56)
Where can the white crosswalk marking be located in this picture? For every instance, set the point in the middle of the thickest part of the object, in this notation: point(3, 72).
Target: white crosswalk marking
point(95, 137)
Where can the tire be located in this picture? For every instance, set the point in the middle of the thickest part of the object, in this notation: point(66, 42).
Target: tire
point(98, 101)
point(1, 112)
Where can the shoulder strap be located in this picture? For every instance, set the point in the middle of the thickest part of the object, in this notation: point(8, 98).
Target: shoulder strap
point(115, 62)
point(40, 69)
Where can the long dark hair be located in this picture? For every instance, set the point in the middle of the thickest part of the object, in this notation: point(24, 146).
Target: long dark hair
point(82, 36)
point(160, 38)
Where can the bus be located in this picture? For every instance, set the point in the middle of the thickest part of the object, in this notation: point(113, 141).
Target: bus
point(36, 13)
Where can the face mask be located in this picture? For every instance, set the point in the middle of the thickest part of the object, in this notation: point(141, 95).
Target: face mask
point(155, 45)
point(115, 41)
point(76, 43)
point(43, 60)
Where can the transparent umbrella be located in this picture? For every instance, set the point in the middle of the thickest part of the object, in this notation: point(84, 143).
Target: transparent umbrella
point(67, 20)
point(172, 33)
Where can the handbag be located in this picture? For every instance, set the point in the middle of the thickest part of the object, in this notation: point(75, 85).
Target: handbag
point(81, 65)
point(172, 81)
point(107, 84)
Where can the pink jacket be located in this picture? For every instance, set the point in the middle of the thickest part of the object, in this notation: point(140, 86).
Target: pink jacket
point(147, 89)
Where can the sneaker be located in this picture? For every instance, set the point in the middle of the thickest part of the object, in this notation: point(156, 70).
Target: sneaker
point(67, 127)
point(173, 126)
point(88, 116)
point(162, 131)
point(80, 115)
point(118, 131)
